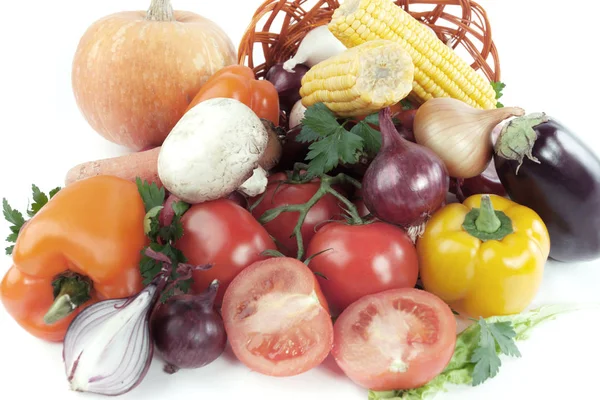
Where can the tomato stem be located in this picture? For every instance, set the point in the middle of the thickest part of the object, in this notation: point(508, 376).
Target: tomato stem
point(160, 10)
point(70, 291)
point(327, 183)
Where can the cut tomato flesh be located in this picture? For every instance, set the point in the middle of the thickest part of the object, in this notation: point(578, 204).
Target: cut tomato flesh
point(285, 346)
point(277, 326)
point(275, 318)
point(398, 339)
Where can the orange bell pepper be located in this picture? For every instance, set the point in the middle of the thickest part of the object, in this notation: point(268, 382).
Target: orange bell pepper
point(83, 246)
point(239, 82)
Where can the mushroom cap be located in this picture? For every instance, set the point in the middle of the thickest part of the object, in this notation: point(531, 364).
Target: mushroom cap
point(212, 150)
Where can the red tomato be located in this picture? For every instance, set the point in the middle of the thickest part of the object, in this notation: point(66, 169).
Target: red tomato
point(399, 339)
point(361, 260)
point(282, 227)
point(276, 318)
point(225, 235)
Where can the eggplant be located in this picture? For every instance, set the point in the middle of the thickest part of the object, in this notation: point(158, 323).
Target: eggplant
point(544, 166)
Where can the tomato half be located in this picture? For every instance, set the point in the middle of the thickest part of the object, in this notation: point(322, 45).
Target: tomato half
point(399, 339)
point(225, 235)
point(276, 318)
point(282, 227)
point(358, 260)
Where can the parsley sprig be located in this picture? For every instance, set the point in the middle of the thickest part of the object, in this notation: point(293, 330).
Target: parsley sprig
point(494, 338)
point(15, 217)
point(477, 352)
point(331, 143)
point(162, 238)
point(498, 88)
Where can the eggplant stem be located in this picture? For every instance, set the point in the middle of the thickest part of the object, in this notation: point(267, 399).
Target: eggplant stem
point(326, 187)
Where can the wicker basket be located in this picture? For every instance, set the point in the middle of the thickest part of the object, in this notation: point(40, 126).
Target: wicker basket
point(278, 27)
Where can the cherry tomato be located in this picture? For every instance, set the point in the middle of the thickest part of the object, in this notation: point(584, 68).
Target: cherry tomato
point(358, 260)
point(282, 227)
point(398, 339)
point(225, 235)
point(276, 318)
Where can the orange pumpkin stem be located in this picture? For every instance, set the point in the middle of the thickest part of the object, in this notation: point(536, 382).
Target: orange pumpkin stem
point(160, 10)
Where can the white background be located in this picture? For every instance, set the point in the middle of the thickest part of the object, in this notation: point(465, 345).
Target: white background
point(549, 63)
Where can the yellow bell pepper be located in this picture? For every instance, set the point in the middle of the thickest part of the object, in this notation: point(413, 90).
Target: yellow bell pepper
point(484, 257)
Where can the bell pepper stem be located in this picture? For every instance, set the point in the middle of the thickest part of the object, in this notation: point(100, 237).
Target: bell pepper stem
point(70, 291)
point(487, 221)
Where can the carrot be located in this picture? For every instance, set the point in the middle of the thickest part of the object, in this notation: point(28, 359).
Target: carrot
point(143, 164)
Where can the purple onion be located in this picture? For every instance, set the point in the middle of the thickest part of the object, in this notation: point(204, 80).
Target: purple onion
point(406, 182)
point(108, 349)
point(188, 332)
point(108, 346)
point(287, 83)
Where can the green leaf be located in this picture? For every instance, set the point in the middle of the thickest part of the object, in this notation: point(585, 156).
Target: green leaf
point(406, 104)
point(307, 135)
point(320, 120)
point(151, 195)
point(486, 360)
point(149, 268)
point(371, 137)
point(11, 215)
point(496, 335)
point(326, 154)
point(498, 88)
point(185, 285)
point(12, 238)
point(15, 218)
point(180, 208)
point(39, 200)
point(172, 232)
point(54, 191)
point(372, 119)
point(504, 335)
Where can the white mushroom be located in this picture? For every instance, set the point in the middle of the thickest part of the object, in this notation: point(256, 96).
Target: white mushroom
point(212, 151)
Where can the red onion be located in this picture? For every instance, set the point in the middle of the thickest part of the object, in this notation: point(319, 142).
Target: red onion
point(406, 182)
point(108, 347)
point(287, 83)
point(188, 332)
point(167, 213)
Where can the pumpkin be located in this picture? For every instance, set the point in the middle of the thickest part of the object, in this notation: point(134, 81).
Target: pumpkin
point(135, 72)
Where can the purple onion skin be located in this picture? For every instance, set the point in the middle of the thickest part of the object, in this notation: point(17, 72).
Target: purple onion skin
point(287, 83)
point(406, 182)
point(188, 332)
point(563, 189)
point(165, 217)
point(293, 151)
point(486, 183)
point(239, 199)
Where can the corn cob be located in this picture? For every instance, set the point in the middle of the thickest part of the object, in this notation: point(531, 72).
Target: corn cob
point(361, 80)
point(439, 72)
